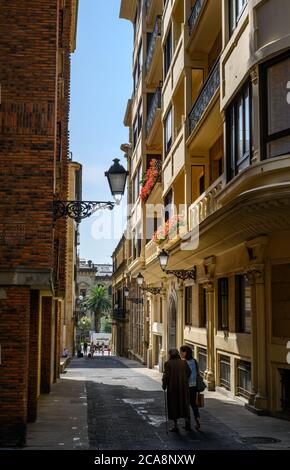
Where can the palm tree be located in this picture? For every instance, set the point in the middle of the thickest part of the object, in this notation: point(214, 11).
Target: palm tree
point(100, 303)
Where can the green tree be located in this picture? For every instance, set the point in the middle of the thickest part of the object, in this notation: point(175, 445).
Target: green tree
point(106, 325)
point(100, 303)
point(84, 326)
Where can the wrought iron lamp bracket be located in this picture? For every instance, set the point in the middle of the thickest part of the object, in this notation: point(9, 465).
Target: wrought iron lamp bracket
point(152, 290)
point(182, 274)
point(78, 210)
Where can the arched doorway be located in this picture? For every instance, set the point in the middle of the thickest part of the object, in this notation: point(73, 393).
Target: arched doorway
point(172, 321)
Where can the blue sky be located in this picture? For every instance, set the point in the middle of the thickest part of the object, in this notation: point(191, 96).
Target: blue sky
point(101, 85)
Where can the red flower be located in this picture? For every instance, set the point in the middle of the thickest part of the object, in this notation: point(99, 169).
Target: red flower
point(151, 177)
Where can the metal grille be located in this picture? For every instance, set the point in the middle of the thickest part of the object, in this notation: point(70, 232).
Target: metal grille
point(202, 360)
point(209, 88)
point(285, 383)
point(152, 43)
point(244, 378)
point(225, 372)
point(155, 104)
point(195, 11)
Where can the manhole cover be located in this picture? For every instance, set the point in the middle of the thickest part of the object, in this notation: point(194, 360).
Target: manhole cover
point(260, 440)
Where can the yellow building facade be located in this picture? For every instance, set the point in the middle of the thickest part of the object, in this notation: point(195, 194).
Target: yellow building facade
point(209, 156)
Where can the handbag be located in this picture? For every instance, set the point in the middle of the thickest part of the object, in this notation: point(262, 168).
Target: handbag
point(200, 385)
point(200, 400)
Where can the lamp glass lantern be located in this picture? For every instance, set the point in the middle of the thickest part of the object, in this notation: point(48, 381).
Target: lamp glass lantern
point(126, 292)
point(163, 259)
point(140, 279)
point(117, 177)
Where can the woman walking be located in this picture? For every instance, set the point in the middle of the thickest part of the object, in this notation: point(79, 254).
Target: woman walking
point(175, 381)
point(186, 354)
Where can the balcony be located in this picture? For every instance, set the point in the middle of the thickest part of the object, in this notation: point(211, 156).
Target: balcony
point(151, 252)
point(118, 314)
point(153, 8)
point(194, 15)
point(204, 24)
point(153, 113)
point(154, 46)
point(206, 204)
point(209, 89)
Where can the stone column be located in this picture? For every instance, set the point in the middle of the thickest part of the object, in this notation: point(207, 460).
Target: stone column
point(180, 321)
point(256, 274)
point(210, 371)
point(164, 349)
point(259, 357)
point(254, 74)
point(150, 313)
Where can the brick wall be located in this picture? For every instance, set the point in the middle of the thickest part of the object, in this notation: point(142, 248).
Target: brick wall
point(34, 341)
point(14, 340)
point(46, 344)
point(28, 68)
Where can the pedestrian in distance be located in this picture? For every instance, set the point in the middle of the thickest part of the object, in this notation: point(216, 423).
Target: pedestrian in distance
point(85, 348)
point(186, 354)
point(175, 382)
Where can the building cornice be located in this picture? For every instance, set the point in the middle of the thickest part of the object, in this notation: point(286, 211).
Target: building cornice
point(74, 23)
point(128, 9)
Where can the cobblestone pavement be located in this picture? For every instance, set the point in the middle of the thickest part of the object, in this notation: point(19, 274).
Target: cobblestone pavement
point(126, 411)
point(107, 403)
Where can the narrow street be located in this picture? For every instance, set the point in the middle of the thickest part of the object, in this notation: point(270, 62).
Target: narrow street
point(107, 403)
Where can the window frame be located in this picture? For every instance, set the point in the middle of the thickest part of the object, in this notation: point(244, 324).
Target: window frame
point(240, 297)
point(168, 142)
point(168, 52)
point(233, 14)
point(221, 326)
point(188, 305)
point(232, 117)
point(265, 137)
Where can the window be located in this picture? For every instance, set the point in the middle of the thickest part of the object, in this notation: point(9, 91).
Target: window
point(168, 131)
point(202, 307)
point(239, 130)
point(236, 8)
point(167, 52)
point(140, 118)
point(244, 378)
point(168, 203)
point(139, 60)
point(223, 303)
point(188, 305)
point(135, 132)
point(280, 295)
point(138, 67)
point(275, 86)
point(243, 304)
point(202, 360)
point(83, 292)
point(225, 372)
point(285, 385)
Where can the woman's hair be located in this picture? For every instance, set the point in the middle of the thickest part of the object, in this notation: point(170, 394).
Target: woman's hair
point(188, 351)
point(173, 354)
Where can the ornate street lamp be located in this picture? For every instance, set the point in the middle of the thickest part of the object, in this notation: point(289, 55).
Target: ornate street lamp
point(182, 274)
point(151, 290)
point(79, 210)
point(126, 292)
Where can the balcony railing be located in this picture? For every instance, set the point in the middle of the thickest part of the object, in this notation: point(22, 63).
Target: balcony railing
point(195, 11)
point(205, 205)
point(118, 314)
point(152, 43)
point(155, 104)
point(209, 88)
